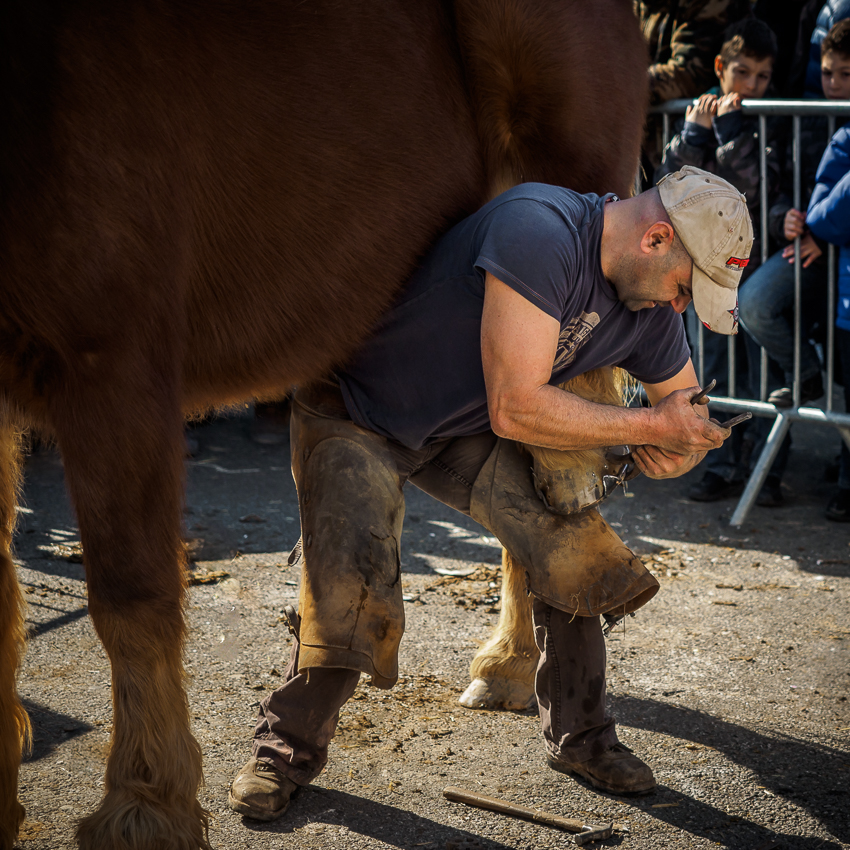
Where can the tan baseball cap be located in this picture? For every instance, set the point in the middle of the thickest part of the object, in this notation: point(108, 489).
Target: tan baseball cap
point(710, 216)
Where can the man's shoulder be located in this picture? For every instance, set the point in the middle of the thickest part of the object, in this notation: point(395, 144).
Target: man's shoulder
point(548, 201)
point(543, 192)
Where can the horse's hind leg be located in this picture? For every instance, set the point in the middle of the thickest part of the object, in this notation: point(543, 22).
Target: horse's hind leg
point(120, 433)
point(14, 723)
point(503, 669)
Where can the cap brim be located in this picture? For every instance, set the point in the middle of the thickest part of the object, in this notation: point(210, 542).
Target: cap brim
point(716, 306)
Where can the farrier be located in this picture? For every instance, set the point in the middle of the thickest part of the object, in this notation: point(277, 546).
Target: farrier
point(541, 285)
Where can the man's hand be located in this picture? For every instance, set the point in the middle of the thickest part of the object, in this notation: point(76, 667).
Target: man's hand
point(659, 463)
point(794, 224)
point(809, 251)
point(702, 111)
point(728, 103)
point(683, 429)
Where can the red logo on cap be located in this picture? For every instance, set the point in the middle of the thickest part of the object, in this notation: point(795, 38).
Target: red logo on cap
point(737, 262)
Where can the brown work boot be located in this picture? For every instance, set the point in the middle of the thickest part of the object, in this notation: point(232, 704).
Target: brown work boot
point(617, 771)
point(260, 791)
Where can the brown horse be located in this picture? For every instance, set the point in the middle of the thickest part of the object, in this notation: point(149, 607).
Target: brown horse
point(207, 202)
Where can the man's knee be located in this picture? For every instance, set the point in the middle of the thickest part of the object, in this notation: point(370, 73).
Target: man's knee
point(574, 562)
point(352, 510)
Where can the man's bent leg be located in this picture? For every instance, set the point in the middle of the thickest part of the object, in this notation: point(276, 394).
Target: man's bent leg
point(297, 721)
point(294, 727)
point(579, 733)
point(351, 504)
point(351, 613)
point(570, 684)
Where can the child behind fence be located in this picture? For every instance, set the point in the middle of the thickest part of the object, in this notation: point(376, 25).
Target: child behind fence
point(717, 136)
point(767, 304)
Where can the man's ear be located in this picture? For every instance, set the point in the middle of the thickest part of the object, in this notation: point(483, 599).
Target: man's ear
point(658, 238)
point(718, 66)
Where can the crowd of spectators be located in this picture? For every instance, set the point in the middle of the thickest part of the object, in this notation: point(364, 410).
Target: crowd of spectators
point(720, 52)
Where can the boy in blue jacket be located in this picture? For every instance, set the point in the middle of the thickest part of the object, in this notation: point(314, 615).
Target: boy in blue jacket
point(828, 217)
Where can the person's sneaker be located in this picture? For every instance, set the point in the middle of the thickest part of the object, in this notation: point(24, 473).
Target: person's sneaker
point(260, 791)
point(810, 390)
point(712, 487)
point(838, 509)
point(617, 770)
point(770, 495)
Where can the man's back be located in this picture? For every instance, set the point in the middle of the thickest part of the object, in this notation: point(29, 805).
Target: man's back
point(420, 376)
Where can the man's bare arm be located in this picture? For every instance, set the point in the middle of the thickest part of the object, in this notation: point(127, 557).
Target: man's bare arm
point(518, 346)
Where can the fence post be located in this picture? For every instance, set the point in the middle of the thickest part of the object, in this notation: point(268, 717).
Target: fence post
point(774, 440)
point(830, 307)
point(765, 238)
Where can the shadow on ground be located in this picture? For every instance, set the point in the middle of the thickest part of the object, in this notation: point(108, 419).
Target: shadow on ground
point(50, 729)
point(803, 773)
point(396, 827)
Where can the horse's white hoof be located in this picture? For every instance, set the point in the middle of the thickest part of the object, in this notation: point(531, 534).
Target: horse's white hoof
point(496, 694)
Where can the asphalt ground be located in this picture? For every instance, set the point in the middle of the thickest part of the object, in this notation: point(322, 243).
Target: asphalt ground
point(732, 683)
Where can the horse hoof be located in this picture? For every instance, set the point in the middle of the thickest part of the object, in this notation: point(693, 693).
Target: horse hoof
point(498, 694)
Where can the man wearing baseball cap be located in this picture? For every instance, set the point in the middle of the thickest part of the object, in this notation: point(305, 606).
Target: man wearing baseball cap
point(538, 287)
point(712, 221)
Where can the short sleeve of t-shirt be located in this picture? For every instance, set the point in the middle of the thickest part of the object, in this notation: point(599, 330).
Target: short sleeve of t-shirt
point(532, 249)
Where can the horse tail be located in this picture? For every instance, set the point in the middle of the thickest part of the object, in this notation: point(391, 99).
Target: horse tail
point(15, 730)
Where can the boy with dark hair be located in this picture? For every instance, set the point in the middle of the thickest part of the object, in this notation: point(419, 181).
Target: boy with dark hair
point(682, 36)
point(770, 294)
point(835, 61)
point(751, 38)
point(718, 137)
point(828, 217)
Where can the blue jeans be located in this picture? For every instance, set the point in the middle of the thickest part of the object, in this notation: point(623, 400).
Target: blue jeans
point(766, 306)
point(842, 339)
point(732, 460)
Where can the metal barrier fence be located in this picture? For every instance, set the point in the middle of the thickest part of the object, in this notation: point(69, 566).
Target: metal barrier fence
point(783, 418)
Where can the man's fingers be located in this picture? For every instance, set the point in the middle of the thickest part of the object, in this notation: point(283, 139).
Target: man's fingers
point(715, 433)
point(655, 462)
point(646, 463)
point(657, 455)
point(700, 394)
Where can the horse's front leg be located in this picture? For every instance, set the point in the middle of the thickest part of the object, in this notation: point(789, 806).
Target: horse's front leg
point(122, 446)
point(503, 669)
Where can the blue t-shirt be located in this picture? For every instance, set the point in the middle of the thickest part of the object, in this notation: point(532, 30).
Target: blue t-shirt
point(419, 378)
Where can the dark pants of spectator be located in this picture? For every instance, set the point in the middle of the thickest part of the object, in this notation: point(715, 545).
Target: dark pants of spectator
point(732, 461)
point(842, 343)
point(767, 308)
